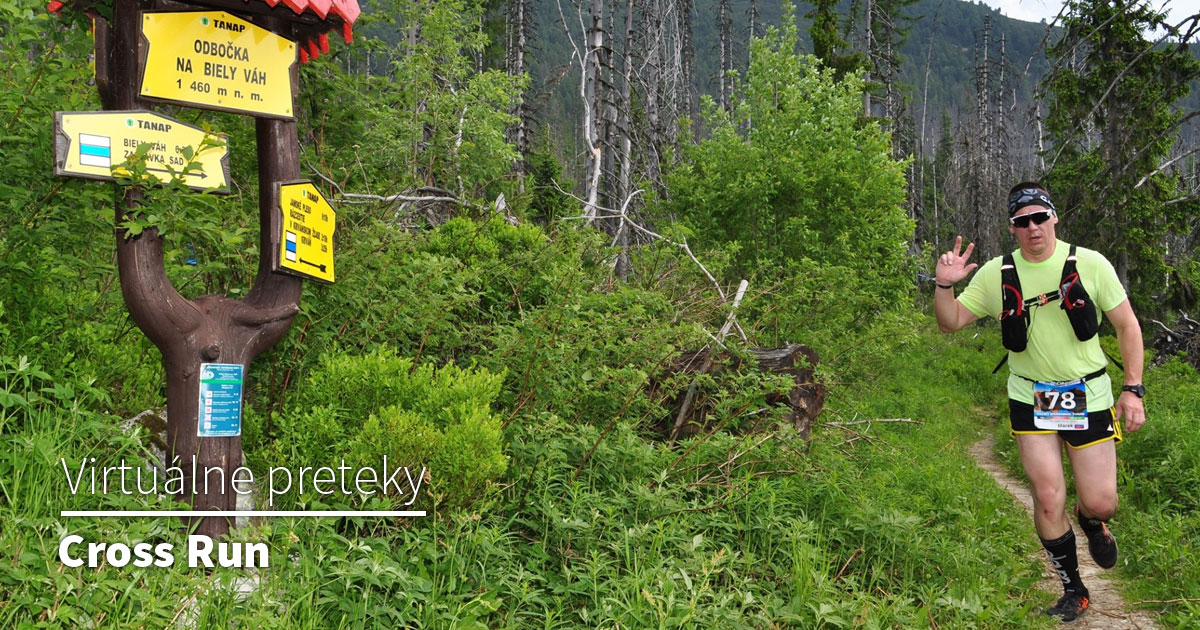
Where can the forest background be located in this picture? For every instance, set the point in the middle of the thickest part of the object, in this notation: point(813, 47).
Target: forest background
point(536, 218)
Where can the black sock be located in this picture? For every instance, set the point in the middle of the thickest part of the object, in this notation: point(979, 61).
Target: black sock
point(1091, 526)
point(1065, 561)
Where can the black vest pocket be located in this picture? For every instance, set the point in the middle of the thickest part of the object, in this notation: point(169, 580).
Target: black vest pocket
point(1081, 310)
point(1014, 331)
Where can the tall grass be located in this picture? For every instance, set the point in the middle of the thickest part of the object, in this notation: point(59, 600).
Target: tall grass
point(872, 524)
point(869, 525)
point(1159, 521)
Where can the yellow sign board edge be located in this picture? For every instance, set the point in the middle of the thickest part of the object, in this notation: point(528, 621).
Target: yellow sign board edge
point(144, 52)
point(62, 145)
point(277, 234)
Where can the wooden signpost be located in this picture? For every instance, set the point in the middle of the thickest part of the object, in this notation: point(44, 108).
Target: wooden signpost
point(236, 55)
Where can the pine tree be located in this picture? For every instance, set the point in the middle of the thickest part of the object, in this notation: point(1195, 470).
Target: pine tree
point(827, 41)
point(1112, 121)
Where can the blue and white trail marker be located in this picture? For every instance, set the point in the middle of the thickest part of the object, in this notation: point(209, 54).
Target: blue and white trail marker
point(95, 150)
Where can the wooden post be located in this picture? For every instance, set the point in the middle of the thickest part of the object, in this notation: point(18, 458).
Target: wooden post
point(211, 328)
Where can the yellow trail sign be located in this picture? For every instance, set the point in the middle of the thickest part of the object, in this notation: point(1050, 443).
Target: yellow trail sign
point(91, 144)
point(213, 60)
point(306, 244)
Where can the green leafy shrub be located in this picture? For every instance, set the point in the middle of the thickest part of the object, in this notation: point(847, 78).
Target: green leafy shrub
point(589, 356)
point(363, 407)
point(425, 116)
point(512, 268)
point(793, 173)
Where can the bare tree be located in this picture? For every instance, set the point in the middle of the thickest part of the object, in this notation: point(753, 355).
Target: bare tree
point(520, 28)
point(725, 53)
point(686, 59)
point(868, 45)
point(588, 57)
point(625, 140)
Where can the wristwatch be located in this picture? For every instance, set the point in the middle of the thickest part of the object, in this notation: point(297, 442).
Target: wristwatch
point(1138, 390)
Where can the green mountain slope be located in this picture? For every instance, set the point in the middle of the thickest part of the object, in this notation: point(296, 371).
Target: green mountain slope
point(946, 32)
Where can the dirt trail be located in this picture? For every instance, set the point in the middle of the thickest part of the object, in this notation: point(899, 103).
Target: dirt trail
point(1108, 610)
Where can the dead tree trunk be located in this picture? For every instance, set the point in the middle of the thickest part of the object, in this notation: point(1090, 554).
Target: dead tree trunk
point(653, 38)
point(686, 61)
point(924, 233)
point(210, 328)
point(725, 46)
point(869, 47)
point(625, 142)
point(608, 133)
point(753, 11)
point(520, 23)
point(753, 32)
point(804, 401)
point(593, 96)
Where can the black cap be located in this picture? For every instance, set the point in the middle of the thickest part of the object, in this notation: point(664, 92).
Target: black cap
point(1028, 197)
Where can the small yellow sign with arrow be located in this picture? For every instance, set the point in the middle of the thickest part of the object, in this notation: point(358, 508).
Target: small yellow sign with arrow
point(306, 244)
point(94, 145)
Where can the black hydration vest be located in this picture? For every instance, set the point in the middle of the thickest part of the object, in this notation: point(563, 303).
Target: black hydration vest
point(1014, 318)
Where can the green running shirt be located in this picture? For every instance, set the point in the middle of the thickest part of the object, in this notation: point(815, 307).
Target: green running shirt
point(1053, 353)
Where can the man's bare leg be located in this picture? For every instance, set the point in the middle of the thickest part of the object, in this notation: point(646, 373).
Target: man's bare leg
point(1041, 456)
point(1095, 470)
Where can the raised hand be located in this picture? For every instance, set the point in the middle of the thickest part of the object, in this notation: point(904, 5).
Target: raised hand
point(951, 267)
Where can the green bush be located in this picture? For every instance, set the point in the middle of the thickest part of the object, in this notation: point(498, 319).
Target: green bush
point(511, 268)
point(363, 407)
point(45, 416)
point(793, 173)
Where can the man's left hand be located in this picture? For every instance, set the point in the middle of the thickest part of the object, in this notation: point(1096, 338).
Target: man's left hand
point(1130, 407)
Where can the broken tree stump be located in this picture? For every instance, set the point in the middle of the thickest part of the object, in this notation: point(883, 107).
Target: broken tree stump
point(804, 400)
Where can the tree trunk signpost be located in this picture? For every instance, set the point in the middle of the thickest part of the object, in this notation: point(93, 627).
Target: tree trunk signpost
point(230, 55)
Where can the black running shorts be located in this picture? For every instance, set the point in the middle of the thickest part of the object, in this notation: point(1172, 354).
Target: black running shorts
point(1101, 426)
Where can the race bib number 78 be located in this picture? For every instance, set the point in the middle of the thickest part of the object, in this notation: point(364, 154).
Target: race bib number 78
point(1060, 406)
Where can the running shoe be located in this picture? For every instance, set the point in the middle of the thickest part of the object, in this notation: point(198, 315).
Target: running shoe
point(1101, 543)
point(1070, 606)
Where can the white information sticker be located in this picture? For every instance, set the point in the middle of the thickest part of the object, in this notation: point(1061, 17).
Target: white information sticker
point(1060, 406)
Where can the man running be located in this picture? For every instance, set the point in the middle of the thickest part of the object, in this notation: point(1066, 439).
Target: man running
point(1046, 296)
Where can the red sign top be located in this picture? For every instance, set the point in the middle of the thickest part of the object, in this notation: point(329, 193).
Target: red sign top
point(314, 38)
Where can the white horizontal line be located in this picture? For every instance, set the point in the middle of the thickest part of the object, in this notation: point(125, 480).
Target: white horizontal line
point(246, 513)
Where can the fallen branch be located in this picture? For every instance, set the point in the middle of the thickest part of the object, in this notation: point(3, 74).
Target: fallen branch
point(695, 445)
point(403, 198)
point(847, 564)
point(1181, 600)
point(690, 398)
point(613, 214)
point(324, 178)
point(1164, 327)
point(852, 423)
point(721, 467)
point(739, 455)
point(706, 508)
